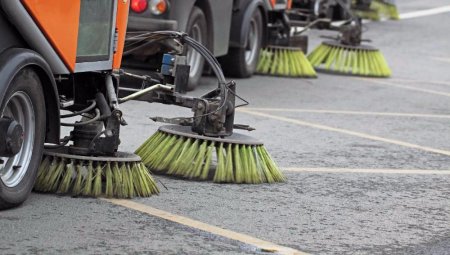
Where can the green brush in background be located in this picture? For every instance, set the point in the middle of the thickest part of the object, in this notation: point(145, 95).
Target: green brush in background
point(177, 151)
point(345, 54)
point(376, 9)
point(359, 60)
point(386, 8)
point(369, 14)
point(123, 176)
point(285, 62)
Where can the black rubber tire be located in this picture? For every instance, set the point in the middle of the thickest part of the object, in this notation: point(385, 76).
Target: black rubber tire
point(27, 81)
point(234, 64)
point(197, 20)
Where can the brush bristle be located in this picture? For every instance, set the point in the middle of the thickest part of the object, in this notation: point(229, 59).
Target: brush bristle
point(368, 14)
point(94, 179)
point(192, 159)
point(285, 62)
point(350, 61)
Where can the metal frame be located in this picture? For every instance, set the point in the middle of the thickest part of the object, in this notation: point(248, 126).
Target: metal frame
point(106, 64)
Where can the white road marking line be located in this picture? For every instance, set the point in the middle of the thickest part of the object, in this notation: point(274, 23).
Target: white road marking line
point(423, 13)
point(391, 114)
point(365, 171)
point(263, 245)
point(391, 84)
point(419, 81)
point(446, 60)
point(348, 132)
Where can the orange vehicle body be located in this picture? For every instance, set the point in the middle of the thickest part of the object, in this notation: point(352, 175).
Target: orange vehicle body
point(59, 21)
point(121, 26)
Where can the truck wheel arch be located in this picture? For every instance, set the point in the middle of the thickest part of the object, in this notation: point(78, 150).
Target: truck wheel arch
point(181, 11)
point(205, 6)
point(241, 19)
point(14, 59)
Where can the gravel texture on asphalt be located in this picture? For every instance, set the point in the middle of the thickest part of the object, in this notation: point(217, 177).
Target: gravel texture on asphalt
point(320, 213)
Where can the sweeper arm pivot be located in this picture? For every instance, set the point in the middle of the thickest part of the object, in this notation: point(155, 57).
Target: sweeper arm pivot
point(350, 33)
point(213, 112)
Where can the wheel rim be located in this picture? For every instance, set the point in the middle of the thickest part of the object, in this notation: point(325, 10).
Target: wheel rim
point(20, 108)
point(251, 49)
point(193, 57)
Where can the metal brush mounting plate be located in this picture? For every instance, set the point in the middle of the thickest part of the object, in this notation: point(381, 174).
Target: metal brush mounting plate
point(289, 48)
point(350, 47)
point(63, 152)
point(186, 131)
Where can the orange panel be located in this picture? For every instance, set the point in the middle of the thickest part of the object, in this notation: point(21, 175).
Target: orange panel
point(121, 27)
point(59, 21)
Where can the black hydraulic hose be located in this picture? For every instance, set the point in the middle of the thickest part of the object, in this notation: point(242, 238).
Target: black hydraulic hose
point(88, 109)
point(63, 142)
point(184, 38)
point(77, 124)
point(143, 45)
point(207, 55)
point(212, 61)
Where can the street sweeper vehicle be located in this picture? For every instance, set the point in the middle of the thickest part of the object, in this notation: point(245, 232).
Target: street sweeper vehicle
point(60, 60)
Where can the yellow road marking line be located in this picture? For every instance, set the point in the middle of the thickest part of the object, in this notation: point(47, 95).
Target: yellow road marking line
point(420, 81)
point(263, 245)
point(393, 114)
point(423, 13)
point(348, 132)
point(365, 171)
point(386, 83)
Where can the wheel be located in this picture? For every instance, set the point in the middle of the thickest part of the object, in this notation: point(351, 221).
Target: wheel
point(196, 28)
point(241, 62)
point(24, 102)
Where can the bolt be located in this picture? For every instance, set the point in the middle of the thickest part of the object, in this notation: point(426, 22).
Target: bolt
point(200, 106)
point(213, 117)
point(108, 133)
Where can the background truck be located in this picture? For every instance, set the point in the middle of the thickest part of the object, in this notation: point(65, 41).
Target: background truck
point(234, 31)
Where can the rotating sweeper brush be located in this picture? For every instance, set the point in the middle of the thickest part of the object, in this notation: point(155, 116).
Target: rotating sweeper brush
point(346, 55)
point(285, 62)
point(91, 165)
point(205, 146)
point(284, 54)
point(376, 9)
point(176, 150)
point(121, 176)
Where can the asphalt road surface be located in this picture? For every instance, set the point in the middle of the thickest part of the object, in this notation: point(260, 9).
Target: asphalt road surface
point(367, 164)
